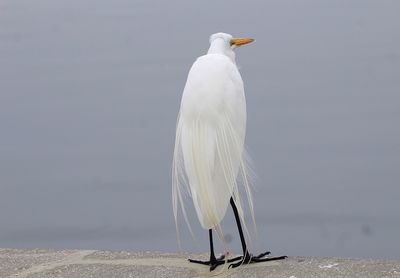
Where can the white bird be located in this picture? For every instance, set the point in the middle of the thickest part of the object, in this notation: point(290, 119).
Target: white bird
point(209, 159)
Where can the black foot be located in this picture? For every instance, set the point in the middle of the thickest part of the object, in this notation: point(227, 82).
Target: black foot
point(249, 258)
point(214, 262)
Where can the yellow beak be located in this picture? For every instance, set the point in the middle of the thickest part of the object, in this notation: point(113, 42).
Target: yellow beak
point(240, 41)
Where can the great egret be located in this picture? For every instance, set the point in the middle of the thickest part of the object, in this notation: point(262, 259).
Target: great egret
point(209, 155)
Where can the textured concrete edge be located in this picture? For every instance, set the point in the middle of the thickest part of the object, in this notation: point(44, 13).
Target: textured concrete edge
point(26, 263)
point(73, 263)
point(74, 258)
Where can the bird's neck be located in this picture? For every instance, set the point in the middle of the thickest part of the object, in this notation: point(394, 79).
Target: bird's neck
point(219, 46)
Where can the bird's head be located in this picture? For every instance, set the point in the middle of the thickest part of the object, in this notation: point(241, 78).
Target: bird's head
point(223, 43)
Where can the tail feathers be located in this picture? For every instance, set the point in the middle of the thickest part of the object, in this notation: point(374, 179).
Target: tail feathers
point(180, 184)
point(209, 165)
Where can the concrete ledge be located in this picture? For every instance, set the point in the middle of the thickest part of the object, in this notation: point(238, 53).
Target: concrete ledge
point(85, 263)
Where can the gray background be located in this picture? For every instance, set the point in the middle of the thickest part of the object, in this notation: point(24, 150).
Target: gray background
point(89, 93)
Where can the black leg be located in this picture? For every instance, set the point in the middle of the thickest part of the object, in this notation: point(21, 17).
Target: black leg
point(247, 257)
point(239, 226)
point(213, 262)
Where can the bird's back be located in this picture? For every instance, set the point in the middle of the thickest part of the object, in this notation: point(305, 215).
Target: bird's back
point(210, 137)
point(213, 86)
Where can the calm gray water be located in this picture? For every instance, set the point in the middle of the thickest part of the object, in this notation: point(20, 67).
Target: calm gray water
point(89, 93)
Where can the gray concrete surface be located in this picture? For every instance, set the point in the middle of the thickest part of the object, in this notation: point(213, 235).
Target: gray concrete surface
point(87, 263)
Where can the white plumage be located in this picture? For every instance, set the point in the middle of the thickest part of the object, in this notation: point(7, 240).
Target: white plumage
point(209, 158)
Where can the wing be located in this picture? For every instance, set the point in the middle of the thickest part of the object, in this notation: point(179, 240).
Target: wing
point(209, 146)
